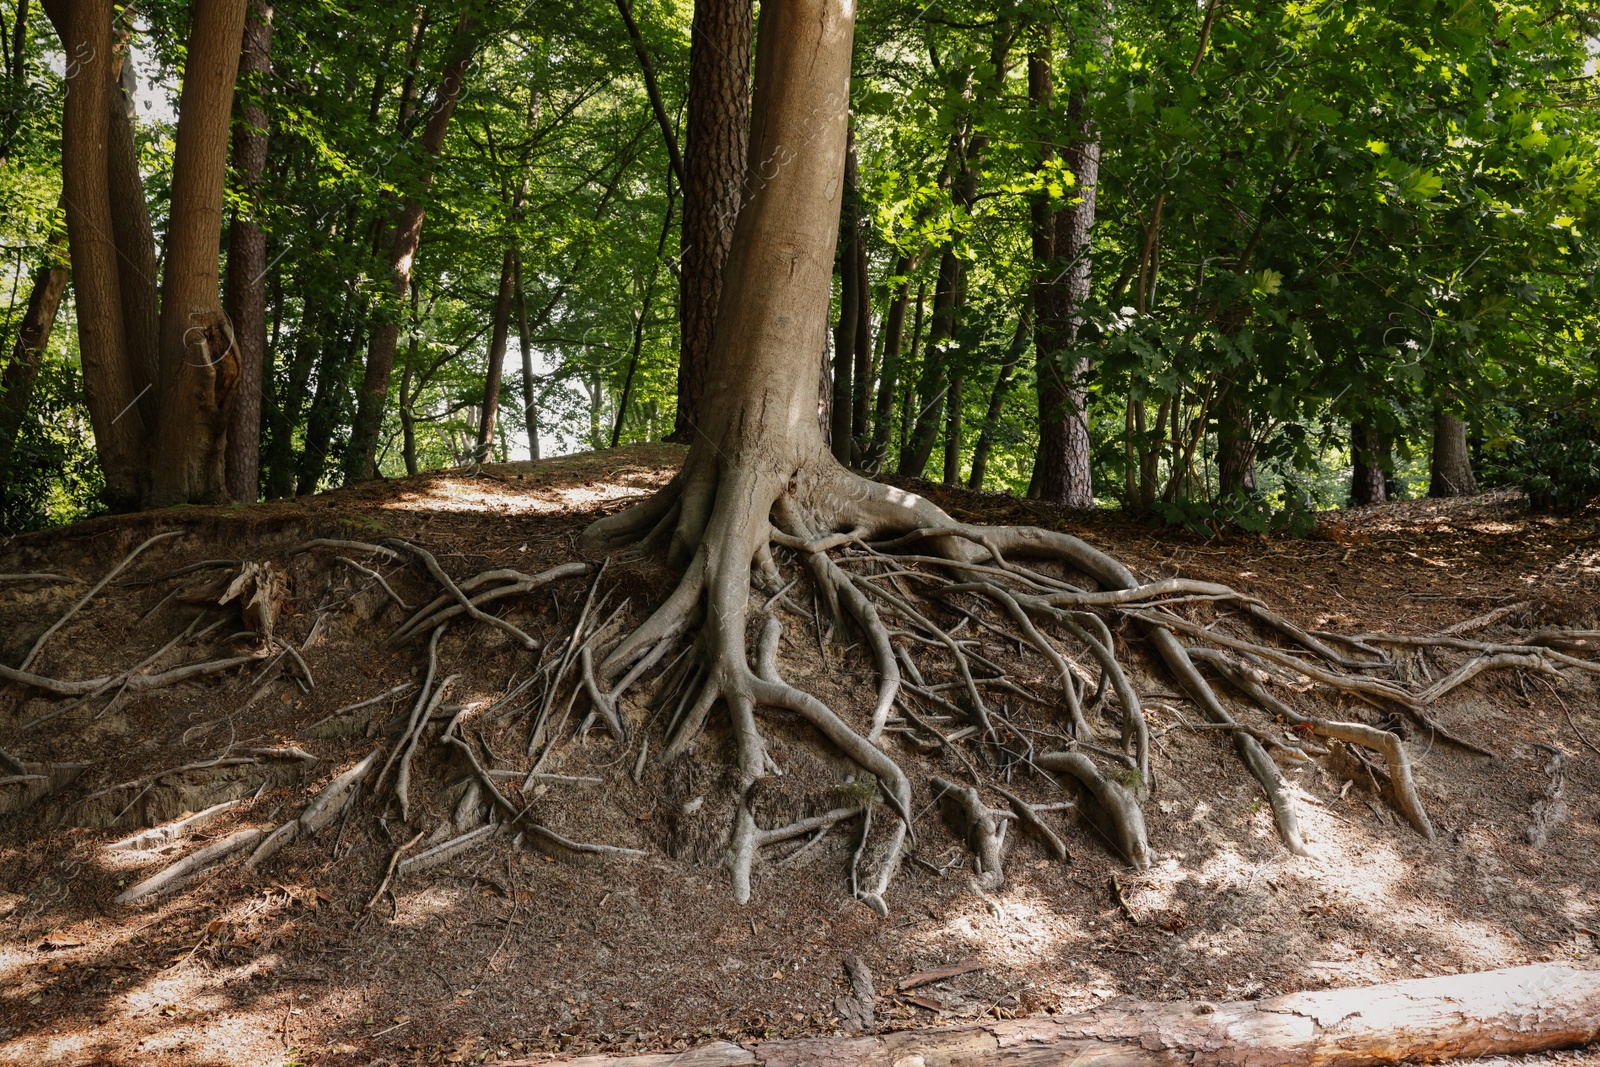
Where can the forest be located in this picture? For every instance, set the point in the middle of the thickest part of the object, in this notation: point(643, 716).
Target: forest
point(1226, 263)
point(763, 532)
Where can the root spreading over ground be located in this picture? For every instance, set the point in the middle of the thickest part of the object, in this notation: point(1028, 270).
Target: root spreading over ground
point(1007, 657)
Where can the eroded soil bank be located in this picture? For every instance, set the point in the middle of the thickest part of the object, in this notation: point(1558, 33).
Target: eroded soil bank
point(501, 950)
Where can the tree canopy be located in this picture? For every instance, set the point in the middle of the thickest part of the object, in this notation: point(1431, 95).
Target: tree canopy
point(1318, 238)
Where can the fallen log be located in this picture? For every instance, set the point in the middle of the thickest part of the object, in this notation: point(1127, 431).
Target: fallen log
point(1519, 1009)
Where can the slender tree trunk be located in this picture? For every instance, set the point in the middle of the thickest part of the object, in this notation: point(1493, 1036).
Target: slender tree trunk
point(339, 349)
point(490, 411)
point(932, 383)
point(282, 420)
point(861, 413)
point(644, 316)
point(108, 375)
point(997, 400)
point(361, 456)
point(27, 353)
point(1450, 472)
point(408, 416)
point(247, 258)
point(652, 90)
point(954, 408)
point(1367, 483)
point(894, 328)
point(714, 172)
point(16, 70)
point(847, 332)
point(909, 403)
point(199, 358)
point(530, 412)
point(1061, 254)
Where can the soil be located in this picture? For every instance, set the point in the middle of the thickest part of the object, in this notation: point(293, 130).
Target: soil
point(502, 951)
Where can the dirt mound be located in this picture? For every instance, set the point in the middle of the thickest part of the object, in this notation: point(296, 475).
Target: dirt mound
point(566, 891)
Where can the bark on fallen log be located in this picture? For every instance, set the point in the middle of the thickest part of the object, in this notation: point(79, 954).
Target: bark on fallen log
point(1519, 1009)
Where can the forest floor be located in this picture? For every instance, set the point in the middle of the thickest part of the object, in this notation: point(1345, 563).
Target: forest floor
point(500, 952)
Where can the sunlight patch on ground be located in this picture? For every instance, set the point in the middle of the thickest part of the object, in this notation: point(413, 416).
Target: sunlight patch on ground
point(475, 495)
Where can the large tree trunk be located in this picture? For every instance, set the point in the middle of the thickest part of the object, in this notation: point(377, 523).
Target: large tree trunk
point(199, 359)
point(490, 412)
point(247, 258)
point(1367, 485)
point(136, 247)
point(714, 174)
point(108, 375)
point(360, 458)
point(1520, 1009)
point(1236, 449)
point(27, 353)
point(1061, 247)
point(1450, 472)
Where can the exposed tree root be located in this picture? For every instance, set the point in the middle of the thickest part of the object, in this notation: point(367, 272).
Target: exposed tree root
point(1006, 653)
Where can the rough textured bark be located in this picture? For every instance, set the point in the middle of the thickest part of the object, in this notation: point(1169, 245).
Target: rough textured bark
point(27, 353)
point(199, 359)
point(1236, 452)
point(1450, 471)
point(136, 248)
point(1520, 1009)
point(490, 411)
point(1367, 485)
point(361, 456)
point(1061, 247)
point(108, 377)
point(247, 259)
point(718, 146)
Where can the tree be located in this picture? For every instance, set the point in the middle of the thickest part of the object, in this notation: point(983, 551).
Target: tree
point(759, 475)
point(247, 259)
point(112, 384)
point(199, 362)
point(713, 184)
point(1062, 252)
point(1450, 471)
point(361, 456)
